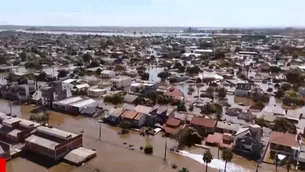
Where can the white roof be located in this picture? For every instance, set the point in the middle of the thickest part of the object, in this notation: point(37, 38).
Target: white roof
point(82, 86)
point(42, 142)
point(83, 103)
point(68, 81)
point(70, 100)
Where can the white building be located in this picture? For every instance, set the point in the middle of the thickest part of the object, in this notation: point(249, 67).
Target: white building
point(108, 74)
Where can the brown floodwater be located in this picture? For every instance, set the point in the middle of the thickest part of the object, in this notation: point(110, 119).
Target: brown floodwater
point(112, 153)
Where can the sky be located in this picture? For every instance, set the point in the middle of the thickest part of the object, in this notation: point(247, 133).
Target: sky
point(185, 13)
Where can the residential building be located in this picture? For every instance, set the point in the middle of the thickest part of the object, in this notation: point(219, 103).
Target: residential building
point(284, 144)
point(112, 116)
point(120, 82)
point(243, 89)
point(15, 130)
point(172, 127)
point(52, 142)
point(225, 127)
point(203, 125)
point(108, 74)
point(5, 151)
point(248, 140)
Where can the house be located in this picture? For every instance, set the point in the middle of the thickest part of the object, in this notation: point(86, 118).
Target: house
point(224, 141)
point(225, 127)
point(54, 92)
point(161, 113)
point(284, 143)
point(62, 104)
point(130, 98)
point(243, 89)
point(294, 115)
point(175, 94)
point(248, 140)
point(5, 151)
point(203, 125)
point(108, 74)
point(76, 107)
point(139, 120)
point(172, 127)
point(120, 82)
point(264, 67)
point(143, 88)
point(52, 142)
point(143, 109)
point(113, 115)
point(96, 92)
point(16, 130)
point(136, 119)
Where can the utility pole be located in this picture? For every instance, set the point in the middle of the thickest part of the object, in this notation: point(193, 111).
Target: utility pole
point(100, 132)
point(11, 109)
point(165, 150)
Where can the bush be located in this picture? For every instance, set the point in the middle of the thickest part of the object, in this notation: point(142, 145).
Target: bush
point(141, 148)
point(174, 166)
point(114, 99)
point(148, 149)
point(269, 89)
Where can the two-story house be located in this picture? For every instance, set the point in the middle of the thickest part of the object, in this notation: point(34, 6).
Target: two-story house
point(203, 125)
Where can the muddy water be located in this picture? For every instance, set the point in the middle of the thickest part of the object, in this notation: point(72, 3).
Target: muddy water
point(112, 151)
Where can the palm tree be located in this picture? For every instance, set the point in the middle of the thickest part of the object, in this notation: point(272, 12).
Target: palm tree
point(184, 170)
point(207, 158)
point(276, 161)
point(288, 164)
point(227, 156)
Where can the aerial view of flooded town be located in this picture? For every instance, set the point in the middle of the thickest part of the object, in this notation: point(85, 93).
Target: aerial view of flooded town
point(190, 100)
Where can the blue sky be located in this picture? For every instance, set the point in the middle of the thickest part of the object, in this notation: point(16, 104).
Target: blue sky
point(203, 13)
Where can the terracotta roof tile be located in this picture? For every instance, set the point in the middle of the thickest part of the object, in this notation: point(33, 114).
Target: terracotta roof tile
point(210, 123)
point(285, 139)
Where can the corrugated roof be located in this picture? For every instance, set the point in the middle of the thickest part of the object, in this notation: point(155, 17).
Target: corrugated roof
point(69, 100)
point(83, 103)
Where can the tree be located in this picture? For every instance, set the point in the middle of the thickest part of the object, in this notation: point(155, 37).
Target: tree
point(87, 57)
point(119, 68)
point(283, 125)
point(33, 65)
point(163, 75)
point(181, 107)
point(125, 125)
point(193, 70)
point(94, 63)
point(279, 94)
point(62, 74)
point(222, 92)
point(184, 170)
point(148, 149)
point(288, 164)
point(98, 71)
point(190, 137)
point(42, 76)
point(276, 159)
point(207, 158)
point(227, 156)
point(218, 111)
point(145, 76)
point(294, 76)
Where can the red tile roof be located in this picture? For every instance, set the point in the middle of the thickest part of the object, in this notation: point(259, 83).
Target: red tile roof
point(285, 139)
point(205, 122)
point(173, 122)
point(129, 114)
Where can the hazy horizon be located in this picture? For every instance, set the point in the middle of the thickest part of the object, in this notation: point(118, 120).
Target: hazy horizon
point(154, 13)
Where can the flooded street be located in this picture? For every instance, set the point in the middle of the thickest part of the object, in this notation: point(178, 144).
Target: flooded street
point(113, 144)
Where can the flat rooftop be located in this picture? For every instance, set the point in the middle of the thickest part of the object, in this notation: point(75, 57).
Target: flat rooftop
point(80, 155)
point(69, 100)
point(65, 135)
point(83, 103)
point(42, 142)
